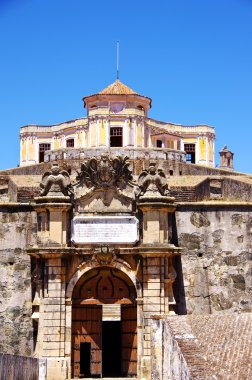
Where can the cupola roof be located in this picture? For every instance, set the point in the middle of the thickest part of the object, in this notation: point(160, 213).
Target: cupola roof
point(117, 88)
point(118, 91)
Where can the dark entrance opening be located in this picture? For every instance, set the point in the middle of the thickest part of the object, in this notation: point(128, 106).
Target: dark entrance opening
point(85, 359)
point(111, 349)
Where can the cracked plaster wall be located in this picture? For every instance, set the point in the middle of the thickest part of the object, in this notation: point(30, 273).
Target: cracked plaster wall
point(216, 259)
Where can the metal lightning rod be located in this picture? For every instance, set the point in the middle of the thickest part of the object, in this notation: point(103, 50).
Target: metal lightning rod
point(117, 60)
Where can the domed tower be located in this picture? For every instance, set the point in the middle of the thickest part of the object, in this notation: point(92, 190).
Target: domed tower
point(117, 117)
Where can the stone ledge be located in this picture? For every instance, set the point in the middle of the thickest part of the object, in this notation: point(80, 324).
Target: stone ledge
point(215, 203)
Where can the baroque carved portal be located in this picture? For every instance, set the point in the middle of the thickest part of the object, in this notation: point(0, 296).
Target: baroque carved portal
point(105, 172)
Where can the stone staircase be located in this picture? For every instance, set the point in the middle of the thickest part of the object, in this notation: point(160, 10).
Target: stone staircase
point(184, 194)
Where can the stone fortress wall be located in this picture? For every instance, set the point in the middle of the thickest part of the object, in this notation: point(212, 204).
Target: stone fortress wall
point(18, 226)
point(216, 259)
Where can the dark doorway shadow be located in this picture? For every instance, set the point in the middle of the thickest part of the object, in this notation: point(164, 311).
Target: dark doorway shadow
point(85, 359)
point(111, 349)
point(178, 286)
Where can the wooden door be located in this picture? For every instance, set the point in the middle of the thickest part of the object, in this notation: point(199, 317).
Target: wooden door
point(129, 340)
point(103, 286)
point(86, 328)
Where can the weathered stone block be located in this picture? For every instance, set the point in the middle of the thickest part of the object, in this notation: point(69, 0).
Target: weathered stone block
point(218, 235)
point(219, 302)
point(238, 219)
point(190, 241)
point(239, 281)
point(199, 219)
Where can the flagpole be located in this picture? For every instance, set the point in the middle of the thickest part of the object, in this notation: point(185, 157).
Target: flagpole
point(117, 60)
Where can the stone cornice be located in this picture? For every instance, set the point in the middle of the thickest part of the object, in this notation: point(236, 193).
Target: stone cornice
point(157, 205)
point(43, 129)
point(162, 250)
point(213, 204)
point(153, 250)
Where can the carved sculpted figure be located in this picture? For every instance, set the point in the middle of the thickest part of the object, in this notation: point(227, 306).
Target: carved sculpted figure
point(152, 180)
point(105, 172)
point(55, 182)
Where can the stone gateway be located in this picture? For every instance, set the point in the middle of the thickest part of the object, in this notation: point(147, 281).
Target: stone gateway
point(124, 253)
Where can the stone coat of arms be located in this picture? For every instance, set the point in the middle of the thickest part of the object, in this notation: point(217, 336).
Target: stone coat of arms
point(105, 172)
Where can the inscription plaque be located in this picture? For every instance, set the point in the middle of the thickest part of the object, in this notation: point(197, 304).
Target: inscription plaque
point(113, 229)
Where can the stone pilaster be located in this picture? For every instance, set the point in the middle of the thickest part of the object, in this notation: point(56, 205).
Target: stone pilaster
point(158, 271)
point(54, 215)
point(155, 219)
point(54, 309)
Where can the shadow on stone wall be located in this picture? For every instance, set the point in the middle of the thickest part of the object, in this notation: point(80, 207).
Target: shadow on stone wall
point(178, 286)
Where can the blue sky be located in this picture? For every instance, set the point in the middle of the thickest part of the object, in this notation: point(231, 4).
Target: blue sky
point(192, 57)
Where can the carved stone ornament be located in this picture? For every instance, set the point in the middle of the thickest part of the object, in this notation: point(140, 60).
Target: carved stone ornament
point(152, 182)
point(105, 172)
point(104, 256)
point(56, 182)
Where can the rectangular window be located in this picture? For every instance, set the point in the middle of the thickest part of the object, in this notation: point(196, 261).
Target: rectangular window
point(70, 143)
point(190, 153)
point(116, 137)
point(159, 143)
point(189, 147)
point(39, 221)
point(43, 220)
point(42, 149)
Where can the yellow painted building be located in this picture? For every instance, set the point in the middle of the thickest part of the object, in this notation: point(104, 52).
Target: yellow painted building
point(117, 117)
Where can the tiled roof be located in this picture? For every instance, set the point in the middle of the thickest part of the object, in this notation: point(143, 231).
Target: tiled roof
point(219, 344)
point(117, 88)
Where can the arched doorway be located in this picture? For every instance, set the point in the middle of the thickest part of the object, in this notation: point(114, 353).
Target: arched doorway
point(104, 325)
